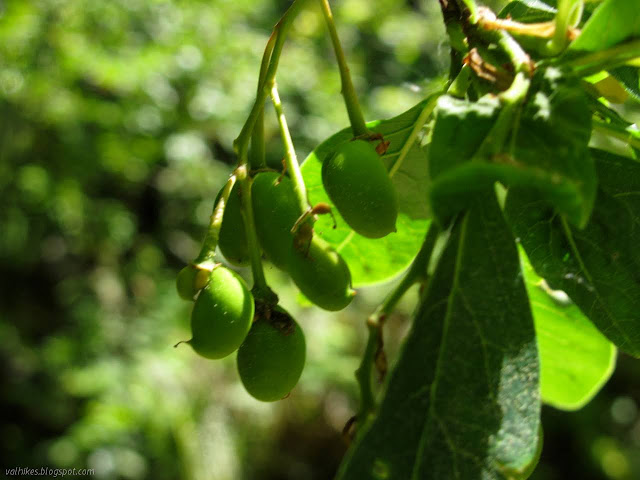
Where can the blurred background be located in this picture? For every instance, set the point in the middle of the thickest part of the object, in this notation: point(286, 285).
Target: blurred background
point(116, 127)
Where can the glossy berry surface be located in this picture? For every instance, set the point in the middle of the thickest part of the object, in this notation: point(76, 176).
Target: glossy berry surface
point(321, 274)
point(190, 281)
point(275, 210)
point(222, 315)
point(233, 237)
point(271, 359)
point(358, 184)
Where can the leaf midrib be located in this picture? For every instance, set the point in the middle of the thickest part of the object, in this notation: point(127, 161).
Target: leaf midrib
point(437, 374)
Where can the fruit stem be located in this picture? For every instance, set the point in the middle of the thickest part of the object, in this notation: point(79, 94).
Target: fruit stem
point(257, 157)
point(268, 69)
point(291, 160)
point(260, 289)
point(205, 259)
point(417, 273)
point(257, 152)
point(358, 125)
point(277, 38)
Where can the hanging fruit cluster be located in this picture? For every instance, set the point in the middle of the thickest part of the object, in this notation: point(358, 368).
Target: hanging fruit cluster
point(265, 214)
point(517, 203)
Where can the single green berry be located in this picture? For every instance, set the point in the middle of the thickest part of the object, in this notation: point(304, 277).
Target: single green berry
point(275, 210)
point(222, 315)
point(358, 184)
point(321, 274)
point(190, 281)
point(233, 237)
point(271, 359)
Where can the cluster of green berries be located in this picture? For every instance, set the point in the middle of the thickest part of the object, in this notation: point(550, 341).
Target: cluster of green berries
point(271, 347)
point(270, 343)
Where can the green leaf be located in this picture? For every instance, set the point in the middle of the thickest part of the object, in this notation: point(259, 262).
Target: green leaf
point(576, 360)
point(610, 122)
point(613, 22)
point(598, 267)
point(548, 151)
point(552, 141)
point(607, 87)
point(523, 474)
point(528, 11)
point(463, 400)
point(620, 180)
point(459, 129)
point(629, 77)
point(609, 115)
point(372, 261)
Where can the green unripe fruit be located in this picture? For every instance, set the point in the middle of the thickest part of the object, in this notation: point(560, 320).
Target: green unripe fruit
point(321, 275)
point(190, 281)
point(233, 237)
point(222, 315)
point(275, 210)
point(359, 186)
point(271, 359)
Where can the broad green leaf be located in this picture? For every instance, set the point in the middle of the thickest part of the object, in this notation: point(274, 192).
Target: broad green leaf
point(598, 267)
point(548, 152)
point(463, 400)
point(575, 358)
point(630, 79)
point(372, 261)
point(526, 473)
point(459, 129)
point(620, 180)
point(613, 22)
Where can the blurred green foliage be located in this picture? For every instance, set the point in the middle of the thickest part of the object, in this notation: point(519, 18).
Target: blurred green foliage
point(116, 127)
